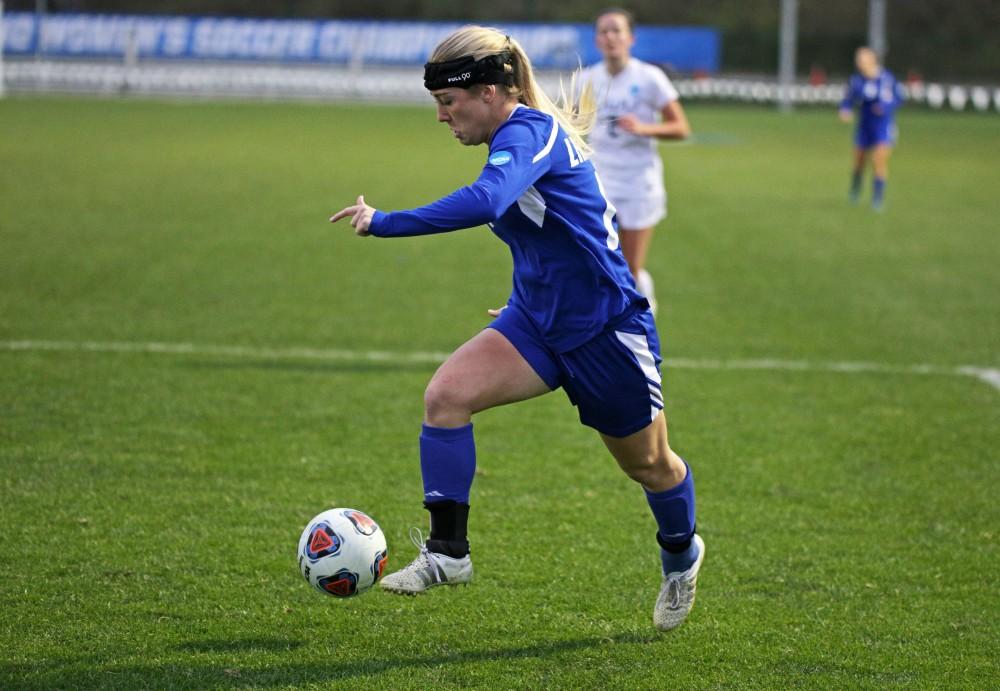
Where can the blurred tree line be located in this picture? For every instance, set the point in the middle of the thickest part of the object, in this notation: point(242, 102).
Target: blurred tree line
point(940, 39)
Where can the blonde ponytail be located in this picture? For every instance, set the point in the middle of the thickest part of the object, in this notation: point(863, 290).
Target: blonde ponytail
point(575, 117)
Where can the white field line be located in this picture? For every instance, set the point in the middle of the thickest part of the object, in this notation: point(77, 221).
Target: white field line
point(988, 375)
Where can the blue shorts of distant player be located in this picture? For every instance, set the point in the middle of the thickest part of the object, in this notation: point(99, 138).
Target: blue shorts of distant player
point(875, 132)
point(613, 379)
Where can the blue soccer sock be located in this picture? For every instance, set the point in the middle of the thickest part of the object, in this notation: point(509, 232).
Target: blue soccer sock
point(679, 561)
point(674, 511)
point(447, 463)
point(878, 192)
point(855, 185)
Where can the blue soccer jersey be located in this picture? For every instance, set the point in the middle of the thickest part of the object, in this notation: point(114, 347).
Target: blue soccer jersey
point(542, 198)
point(878, 100)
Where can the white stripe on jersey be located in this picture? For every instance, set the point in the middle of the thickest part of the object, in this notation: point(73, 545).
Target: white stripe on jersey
point(532, 205)
point(548, 146)
point(609, 215)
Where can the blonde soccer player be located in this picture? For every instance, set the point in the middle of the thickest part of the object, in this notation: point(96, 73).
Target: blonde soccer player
point(637, 105)
point(573, 321)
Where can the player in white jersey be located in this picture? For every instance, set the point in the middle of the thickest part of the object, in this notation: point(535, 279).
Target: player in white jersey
point(637, 105)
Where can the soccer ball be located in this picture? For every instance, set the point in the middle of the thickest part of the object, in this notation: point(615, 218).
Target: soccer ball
point(342, 552)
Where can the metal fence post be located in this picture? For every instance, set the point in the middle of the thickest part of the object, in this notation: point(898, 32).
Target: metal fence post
point(787, 41)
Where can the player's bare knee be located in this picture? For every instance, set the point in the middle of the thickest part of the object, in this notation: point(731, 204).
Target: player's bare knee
point(445, 405)
point(648, 471)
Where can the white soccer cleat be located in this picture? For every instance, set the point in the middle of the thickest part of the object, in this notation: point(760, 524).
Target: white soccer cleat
point(428, 570)
point(677, 593)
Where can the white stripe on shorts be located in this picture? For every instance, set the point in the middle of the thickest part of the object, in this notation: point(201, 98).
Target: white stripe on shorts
point(639, 347)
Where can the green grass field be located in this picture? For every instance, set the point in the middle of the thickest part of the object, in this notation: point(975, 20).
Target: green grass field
point(150, 502)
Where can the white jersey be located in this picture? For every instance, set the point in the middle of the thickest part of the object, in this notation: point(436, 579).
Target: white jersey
point(629, 165)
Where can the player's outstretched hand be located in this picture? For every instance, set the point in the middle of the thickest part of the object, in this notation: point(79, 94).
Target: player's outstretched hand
point(496, 312)
point(846, 115)
point(360, 213)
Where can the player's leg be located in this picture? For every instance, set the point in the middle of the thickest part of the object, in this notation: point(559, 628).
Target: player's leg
point(615, 381)
point(880, 169)
point(637, 217)
point(485, 372)
point(858, 172)
point(635, 246)
point(646, 457)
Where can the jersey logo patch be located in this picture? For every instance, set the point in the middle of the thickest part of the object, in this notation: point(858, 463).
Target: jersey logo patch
point(500, 158)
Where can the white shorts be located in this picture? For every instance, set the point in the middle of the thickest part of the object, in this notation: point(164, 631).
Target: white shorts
point(641, 212)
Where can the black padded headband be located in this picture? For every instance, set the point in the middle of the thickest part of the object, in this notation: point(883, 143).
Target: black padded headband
point(464, 72)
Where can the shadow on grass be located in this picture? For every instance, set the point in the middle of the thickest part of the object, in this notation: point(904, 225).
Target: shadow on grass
point(88, 673)
point(248, 645)
point(349, 367)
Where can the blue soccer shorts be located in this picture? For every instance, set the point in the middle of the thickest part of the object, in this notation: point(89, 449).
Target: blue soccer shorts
point(873, 133)
point(613, 379)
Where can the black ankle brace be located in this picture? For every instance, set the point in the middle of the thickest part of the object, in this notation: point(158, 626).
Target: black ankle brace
point(449, 528)
point(674, 547)
point(450, 548)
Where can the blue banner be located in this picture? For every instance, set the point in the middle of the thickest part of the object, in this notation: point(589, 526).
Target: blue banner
point(332, 41)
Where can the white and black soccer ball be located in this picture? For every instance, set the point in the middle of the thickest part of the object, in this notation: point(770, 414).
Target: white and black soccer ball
point(342, 552)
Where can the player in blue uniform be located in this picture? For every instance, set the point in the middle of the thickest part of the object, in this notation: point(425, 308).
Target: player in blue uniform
point(876, 94)
point(574, 318)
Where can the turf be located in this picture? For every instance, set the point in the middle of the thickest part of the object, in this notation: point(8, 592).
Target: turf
point(150, 503)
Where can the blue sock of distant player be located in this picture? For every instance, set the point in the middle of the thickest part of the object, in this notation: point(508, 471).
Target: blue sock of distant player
point(674, 513)
point(856, 185)
point(448, 465)
point(878, 192)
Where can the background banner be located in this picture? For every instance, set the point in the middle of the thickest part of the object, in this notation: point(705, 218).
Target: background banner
point(684, 49)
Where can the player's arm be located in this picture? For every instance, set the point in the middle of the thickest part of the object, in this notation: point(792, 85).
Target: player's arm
point(674, 123)
point(892, 97)
point(502, 181)
point(851, 95)
point(663, 96)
